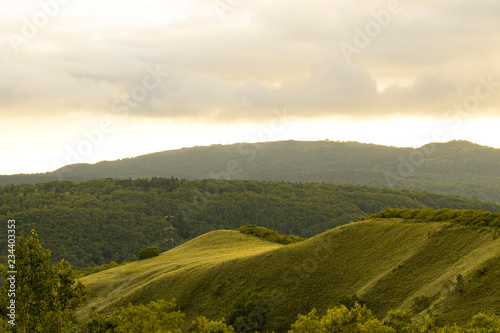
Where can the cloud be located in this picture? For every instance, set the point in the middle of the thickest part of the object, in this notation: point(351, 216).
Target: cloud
point(264, 55)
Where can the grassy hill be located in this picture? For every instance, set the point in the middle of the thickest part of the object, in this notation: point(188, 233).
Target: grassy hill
point(183, 267)
point(457, 167)
point(386, 262)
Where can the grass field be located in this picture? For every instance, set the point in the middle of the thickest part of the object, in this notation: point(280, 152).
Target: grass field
point(386, 262)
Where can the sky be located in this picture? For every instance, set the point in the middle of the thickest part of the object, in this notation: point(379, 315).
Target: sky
point(85, 81)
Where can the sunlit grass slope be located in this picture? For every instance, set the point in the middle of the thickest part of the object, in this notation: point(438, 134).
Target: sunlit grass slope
point(386, 262)
point(172, 273)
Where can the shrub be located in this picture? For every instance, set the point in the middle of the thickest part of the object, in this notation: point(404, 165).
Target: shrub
point(460, 284)
point(269, 235)
point(149, 252)
point(421, 303)
point(92, 270)
point(350, 301)
point(480, 218)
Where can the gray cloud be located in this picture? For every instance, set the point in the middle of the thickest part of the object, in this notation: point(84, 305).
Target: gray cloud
point(268, 54)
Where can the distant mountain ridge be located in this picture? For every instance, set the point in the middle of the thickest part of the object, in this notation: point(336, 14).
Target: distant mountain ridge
point(457, 167)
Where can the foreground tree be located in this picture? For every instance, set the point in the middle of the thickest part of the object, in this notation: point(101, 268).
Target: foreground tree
point(486, 323)
point(340, 319)
point(155, 317)
point(203, 325)
point(249, 313)
point(101, 323)
point(158, 316)
point(46, 296)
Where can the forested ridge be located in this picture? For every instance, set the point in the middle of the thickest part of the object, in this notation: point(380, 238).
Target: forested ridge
point(478, 218)
point(457, 167)
point(95, 222)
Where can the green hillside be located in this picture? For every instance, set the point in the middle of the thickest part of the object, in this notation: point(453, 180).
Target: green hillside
point(457, 167)
point(186, 266)
point(386, 262)
point(95, 222)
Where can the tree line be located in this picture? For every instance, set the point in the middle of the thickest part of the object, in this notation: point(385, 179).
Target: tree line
point(470, 217)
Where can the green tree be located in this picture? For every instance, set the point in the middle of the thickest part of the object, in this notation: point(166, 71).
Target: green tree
point(350, 301)
point(203, 325)
point(420, 303)
point(249, 313)
point(155, 317)
point(485, 323)
point(400, 320)
point(101, 323)
point(310, 323)
point(340, 319)
point(448, 329)
point(46, 297)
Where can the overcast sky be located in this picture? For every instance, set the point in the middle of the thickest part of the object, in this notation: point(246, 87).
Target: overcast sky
point(84, 81)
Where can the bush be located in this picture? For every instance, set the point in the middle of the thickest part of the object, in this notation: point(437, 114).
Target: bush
point(421, 303)
point(269, 235)
point(350, 301)
point(460, 284)
point(92, 270)
point(480, 218)
point(149, 252)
